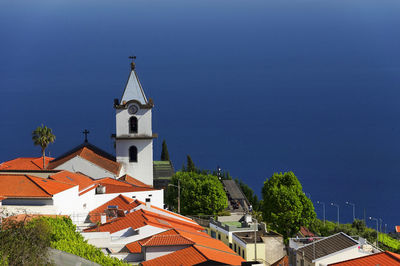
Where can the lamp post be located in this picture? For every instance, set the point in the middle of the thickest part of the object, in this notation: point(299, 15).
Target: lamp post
point(255, 239)
point(179, 194)
point(337, 206)
point(377, 231)
point(354, 209)
point(323, 209)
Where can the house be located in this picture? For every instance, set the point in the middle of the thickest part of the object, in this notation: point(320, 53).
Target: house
point(247, 239)
point(334, 248)
point(383, 258)
point(67, 193)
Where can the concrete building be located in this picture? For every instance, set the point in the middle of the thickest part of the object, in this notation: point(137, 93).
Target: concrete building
point(238, 232)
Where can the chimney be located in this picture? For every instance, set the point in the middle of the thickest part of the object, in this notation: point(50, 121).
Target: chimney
point(103, 219)
point(148, 203)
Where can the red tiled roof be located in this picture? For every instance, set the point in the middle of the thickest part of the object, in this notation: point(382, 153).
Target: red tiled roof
point(383, 258)
point(73, 178)
point(282, 261)
point(91, 156)
point(116, 186)
point(397, 228)
point(28, 217)
point(185, 257)
point(305, 232)
point(123, 203)
point(134, 247)
point(141, 218)
point(166, 238)
point(27, 163)
point(133, 181)
point(25, 186)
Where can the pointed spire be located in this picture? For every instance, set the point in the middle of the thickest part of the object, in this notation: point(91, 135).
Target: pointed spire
point(133, 89)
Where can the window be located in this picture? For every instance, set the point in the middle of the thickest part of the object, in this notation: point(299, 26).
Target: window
point(133, 154)
point(212, 233)
point(243, 253)
point(133, 124)
point(239, 250)
point(230, 245)
point(219, 236)
point(234, 247)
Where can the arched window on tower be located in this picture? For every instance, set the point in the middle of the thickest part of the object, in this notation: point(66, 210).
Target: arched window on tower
point(133, 125)
point(132, 154)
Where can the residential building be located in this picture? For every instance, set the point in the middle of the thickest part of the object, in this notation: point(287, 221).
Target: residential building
point(335, 248)
point(247, 239)
point(383, 258)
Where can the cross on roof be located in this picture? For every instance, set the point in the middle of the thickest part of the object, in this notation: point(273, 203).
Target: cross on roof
point(133, 57)
point(86, 132)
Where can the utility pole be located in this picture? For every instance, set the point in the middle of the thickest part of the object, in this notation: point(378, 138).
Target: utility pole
point(179, 196)
point(354, 209)
point(337, 206)
point(377, 231)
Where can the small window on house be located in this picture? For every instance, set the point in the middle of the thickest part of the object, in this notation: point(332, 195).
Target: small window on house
point(133, 124)
point(133, 154)
point(234, 247)
point(243, 253)
point(219, 236)
point(239, 250)
point(230, 245)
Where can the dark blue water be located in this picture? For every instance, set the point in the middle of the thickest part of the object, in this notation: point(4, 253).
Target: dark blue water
point(256, 87)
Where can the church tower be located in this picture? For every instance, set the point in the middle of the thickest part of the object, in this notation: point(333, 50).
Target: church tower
point(134, 135)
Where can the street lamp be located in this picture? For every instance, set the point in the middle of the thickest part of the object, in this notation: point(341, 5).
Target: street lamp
point(179, 194)
point(255, 239)
point(354, 209)
point(377, 232)
point(323, 209)
point(337, 206)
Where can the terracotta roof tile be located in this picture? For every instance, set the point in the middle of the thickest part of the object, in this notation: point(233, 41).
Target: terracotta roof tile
point(116, 186)
point(134, 247)
point(25, 186)
point(166, 240)
point(92, 155)
point(185, 257)
point(68, 177)
point(25, 163)
point(383, 258)
point(123, 203)
point(397, 228)
point(133, 181)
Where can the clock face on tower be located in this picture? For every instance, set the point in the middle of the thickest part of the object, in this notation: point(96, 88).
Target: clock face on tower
point(132, 109)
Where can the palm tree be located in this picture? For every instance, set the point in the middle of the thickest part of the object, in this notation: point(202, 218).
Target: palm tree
point(42, 136)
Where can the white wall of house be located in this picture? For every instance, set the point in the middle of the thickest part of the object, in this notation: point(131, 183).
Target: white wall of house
point(79, 164)
point(155, 252)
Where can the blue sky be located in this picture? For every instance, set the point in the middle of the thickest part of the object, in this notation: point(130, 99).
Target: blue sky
point(254, 86)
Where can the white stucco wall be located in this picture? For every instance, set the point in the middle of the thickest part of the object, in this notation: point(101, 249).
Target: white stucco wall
point(79, 164)
point(142, 169)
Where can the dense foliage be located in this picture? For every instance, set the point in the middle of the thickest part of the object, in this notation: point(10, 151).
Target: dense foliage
point(285, 206)
point(24, 244)
point(250, 195)
point(164, 152)
point(200, 194)
point(63, 236)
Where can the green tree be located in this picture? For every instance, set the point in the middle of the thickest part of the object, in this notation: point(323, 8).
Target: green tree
point(250, 195)
point(190, 167)
point(285, 206)
point(200, 194)
point(164, 152)
point(24, 243)
point(43, 136)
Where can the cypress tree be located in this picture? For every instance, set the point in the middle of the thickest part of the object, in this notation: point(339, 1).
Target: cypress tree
point(164, 152)
point(190, 165)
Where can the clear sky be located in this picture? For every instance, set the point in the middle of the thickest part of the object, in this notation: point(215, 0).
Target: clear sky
point(256, 87)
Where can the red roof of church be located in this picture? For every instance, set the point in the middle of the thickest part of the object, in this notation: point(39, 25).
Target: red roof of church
point(26, 186)
point(133, 181)
point(25, 163)
point(383, 258)
point(116, 186)
point(91, 154)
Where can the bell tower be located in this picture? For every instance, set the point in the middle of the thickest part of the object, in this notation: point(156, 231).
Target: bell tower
point(134, 135)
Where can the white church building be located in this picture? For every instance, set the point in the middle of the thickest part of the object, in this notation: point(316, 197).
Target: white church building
point(88, 170)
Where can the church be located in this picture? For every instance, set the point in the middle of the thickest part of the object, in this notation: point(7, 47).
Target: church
point(93, 175)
